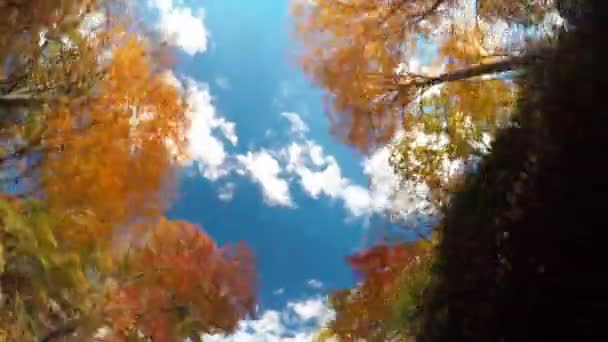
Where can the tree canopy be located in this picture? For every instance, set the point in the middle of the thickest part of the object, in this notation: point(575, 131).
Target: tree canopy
point(91, 124)
point(433, 77)
point(516, 253)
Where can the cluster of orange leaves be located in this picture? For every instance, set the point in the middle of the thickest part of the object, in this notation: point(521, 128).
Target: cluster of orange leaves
point(179, 273)
point(352, 49)
point(118, 166)
point(106, 133)
point(364, 311)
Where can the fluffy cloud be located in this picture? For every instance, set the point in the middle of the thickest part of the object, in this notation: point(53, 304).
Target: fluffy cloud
point(311, 309)
point(206, 132)
point(303, 161)
point(358, 201)
point(400, 201)
point(265, 170)
point(327, 181)
point(181, 27)
point(297, 124)
point(298, 322)
point(314, 283)
point(319, 174)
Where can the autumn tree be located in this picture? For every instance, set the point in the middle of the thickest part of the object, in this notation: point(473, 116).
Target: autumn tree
point(177, 283)
point(354, 49)
point(514, 242)
point(45, 284)
point(392, 279)
point(91, 121)
point(173, 282)
point(39, 41)
point(106, 168)
point(49, 61)
point(377, 63)
point(519, 251)
point(89, 152)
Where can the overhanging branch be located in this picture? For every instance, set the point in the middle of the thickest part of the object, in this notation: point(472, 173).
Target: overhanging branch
point(509, 64)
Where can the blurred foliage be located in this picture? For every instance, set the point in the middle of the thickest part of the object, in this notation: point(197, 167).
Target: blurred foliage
point(180, 284)
point(91, 127)
point(385, 85)
point(518, 252)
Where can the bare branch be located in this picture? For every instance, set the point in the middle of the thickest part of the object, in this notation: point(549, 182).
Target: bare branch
point(509, 64)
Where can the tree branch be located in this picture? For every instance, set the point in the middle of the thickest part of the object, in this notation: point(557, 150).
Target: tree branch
point(510, 64)
point(417, 16)
point(22, 99)
point(421, 16)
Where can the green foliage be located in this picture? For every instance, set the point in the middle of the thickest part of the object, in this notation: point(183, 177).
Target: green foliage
point(386, 302)
point(16, 323)
point(324, 335)
point(40, 274)
point(409, 295)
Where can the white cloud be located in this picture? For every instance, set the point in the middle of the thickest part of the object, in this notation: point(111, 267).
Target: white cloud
point(314, 283)
point(316, 154)
point(358, 200)
point(303, 160)
point(226, 192)
point(170, 78)
point(311, 309)
point(298, 126)
point(322, 177)
point(181, 27)
point(400, 201)
point(319, 174)
point(328, 181)
point(278, 291)
point(297, 322)
point(265, 170)
point(205, 147)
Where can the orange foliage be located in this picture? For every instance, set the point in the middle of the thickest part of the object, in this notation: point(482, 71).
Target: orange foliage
point(22, 21)
point(383, 263)
point(351, 49)
point(183, 284)
point(113, 158)
point(514, 11)
point(98, 125)
point(366, 311)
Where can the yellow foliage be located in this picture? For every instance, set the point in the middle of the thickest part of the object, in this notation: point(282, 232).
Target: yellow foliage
point(118, 166)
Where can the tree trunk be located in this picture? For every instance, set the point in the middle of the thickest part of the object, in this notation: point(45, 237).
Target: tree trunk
point(510, 64)
point(21, 100)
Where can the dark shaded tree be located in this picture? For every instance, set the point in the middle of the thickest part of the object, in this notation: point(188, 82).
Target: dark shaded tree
point(522, 242)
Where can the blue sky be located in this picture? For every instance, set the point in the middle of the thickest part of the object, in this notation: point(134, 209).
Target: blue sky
point(263, 167)
point(250, 53)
